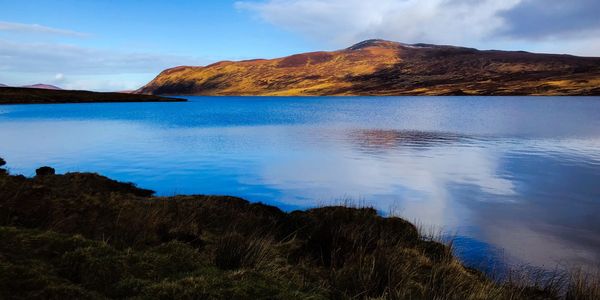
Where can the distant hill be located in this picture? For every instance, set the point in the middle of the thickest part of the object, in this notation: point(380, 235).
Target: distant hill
point(378, 67)
point(13, 95)
point(3, 85)
point(42, 86)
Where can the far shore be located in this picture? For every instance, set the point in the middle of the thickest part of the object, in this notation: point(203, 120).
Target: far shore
point(14, 95)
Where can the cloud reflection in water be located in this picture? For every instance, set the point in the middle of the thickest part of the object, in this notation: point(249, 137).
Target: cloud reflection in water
point(512, 174)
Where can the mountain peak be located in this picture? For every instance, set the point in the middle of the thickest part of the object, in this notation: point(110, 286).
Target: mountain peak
point(373, 43)
point(379, 43)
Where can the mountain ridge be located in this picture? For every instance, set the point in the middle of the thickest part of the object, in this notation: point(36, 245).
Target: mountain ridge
point(42, 86)
point(380, 67)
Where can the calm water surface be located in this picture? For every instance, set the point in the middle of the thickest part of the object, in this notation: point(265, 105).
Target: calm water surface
point(515, 178)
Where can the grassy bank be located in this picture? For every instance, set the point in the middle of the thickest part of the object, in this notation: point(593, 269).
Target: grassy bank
point(84, 236)
point(11, 95)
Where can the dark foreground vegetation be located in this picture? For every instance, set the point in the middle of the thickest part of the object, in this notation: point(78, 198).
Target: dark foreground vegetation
point(84, 236)
point(12, 95)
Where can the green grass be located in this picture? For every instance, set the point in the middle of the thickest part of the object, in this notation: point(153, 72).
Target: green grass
point(84, 236)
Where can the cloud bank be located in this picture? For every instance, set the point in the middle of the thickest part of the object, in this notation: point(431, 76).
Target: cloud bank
point(32, 58)
point(38, 29)
point(45, 57)
point(528, 24)
point(539, 19)
point(77, 67)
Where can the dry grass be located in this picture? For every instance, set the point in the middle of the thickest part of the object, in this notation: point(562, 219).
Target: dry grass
point(86, 236)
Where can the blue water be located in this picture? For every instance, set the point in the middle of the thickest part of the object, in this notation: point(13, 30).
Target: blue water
point(515, 178)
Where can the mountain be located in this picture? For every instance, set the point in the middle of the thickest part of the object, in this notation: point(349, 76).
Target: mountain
point(42, 86)
point(378, 67)
point(3, 85)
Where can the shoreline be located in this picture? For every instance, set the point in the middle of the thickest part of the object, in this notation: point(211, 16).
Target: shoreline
point(13, 96)
point(88, 236)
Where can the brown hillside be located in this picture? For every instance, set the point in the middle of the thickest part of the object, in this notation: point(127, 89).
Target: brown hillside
point(377, 67)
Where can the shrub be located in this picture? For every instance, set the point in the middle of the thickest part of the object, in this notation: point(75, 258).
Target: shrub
point(45, 171)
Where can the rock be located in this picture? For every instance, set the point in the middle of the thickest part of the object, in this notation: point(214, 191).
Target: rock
point(45, 171)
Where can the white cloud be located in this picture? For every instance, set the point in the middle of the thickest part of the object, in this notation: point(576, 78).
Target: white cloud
point(88, 68)
point(486, 24)
point(45, 57)
point(348, 21)
point(107, 82)
point(38, 29)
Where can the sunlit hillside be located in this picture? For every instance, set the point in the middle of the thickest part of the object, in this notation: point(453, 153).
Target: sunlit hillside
point(378, 67)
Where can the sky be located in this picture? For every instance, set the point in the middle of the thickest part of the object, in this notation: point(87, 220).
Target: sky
point(121, 45)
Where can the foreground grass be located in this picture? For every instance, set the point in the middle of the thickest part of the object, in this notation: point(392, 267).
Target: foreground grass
point(84, 236)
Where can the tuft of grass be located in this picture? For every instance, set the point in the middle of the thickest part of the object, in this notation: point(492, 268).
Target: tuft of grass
point(583, 285)
point(234, 251)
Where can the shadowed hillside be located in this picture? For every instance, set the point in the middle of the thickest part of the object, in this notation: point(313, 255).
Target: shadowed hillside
point(12, 95)
point(378, 67)
point(84, 236)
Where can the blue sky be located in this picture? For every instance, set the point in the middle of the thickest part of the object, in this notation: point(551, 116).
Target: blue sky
point(119, 45)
